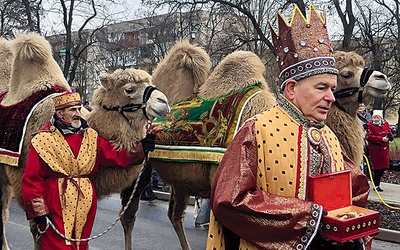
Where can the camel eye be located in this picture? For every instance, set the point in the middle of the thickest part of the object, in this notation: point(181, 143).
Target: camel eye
point(129, 91)
point(346, 75)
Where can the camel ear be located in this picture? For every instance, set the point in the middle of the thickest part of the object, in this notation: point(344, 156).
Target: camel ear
point(105, 81)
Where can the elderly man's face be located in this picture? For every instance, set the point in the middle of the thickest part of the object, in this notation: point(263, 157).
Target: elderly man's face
point(314, 96)
point(71, 115)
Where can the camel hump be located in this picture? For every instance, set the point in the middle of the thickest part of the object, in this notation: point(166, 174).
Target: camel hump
point(237, 70)
point(31, 46)
point(185, 55)
point(182, 71)
point(239, 66)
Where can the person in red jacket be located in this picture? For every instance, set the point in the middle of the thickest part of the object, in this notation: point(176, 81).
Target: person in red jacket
point(379, 135)
point(57, 184)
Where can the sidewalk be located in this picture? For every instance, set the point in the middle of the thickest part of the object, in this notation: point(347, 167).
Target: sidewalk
point(391, 195)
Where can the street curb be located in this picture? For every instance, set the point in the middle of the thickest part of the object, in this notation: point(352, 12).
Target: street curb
point(388, 235)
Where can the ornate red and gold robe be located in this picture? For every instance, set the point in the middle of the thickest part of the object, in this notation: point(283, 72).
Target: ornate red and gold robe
point(260, 189)
point(57, 181)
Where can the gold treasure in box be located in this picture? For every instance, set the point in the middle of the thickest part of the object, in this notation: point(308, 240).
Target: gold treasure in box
point(344, 221)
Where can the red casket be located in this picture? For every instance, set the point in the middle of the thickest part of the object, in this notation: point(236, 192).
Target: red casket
point(344, 221)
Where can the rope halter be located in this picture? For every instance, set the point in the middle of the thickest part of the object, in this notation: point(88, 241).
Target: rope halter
point(134, 106)
point(365, 75)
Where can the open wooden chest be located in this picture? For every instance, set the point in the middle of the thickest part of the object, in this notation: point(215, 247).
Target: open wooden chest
point(344, 221)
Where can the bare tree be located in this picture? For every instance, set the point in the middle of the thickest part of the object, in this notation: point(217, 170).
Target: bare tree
point(348, 21)
point(230, 26)
point(81, 21)
point(376, 38)
point(32, 10)
point(19, 15)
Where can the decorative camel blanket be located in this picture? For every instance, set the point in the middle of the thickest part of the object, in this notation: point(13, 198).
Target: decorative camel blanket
point(14, 121)
point(198, 129)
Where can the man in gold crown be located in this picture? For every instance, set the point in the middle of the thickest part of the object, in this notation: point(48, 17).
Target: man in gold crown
point(56, 184)
point(259, 198)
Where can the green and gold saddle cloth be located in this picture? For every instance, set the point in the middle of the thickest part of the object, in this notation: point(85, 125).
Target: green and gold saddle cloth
point(198, 129)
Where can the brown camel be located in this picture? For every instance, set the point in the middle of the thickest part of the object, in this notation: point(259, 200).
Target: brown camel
point(365, 87)
point(33, 52)
point(121, 88)
point(238, 70)
point(122, 93)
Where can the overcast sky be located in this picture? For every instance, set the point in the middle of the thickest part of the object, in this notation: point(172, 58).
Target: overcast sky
point(54, 22)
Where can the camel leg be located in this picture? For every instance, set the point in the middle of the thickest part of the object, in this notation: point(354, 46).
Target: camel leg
point(128, 222)
point(129, 217)
point(5, 197)
point(176, 213)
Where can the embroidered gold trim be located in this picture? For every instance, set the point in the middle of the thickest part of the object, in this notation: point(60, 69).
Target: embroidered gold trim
point(76, 201)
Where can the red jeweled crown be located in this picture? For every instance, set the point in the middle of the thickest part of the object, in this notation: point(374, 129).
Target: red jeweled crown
point(302, 47)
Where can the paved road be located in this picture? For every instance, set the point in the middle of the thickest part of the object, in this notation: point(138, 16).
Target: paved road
point(152, 229)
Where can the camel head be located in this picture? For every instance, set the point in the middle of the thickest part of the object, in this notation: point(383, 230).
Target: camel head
point(33, 67)
point(5, 64)
point(182, 71)
point(125, 104)
point(236, 71)
point(357, 84)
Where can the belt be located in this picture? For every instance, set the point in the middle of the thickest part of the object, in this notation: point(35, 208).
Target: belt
point(70, 178)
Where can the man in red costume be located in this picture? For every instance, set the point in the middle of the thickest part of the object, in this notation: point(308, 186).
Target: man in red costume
point(259, 198)
point(56, 184)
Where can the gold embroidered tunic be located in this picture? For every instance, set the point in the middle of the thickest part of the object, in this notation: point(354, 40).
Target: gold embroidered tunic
point(57, 181)
point(74, 186)
point(260, 191)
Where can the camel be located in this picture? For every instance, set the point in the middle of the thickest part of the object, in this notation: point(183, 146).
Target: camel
point(123, 92)
point(28, 51)
point(193, 65)
point(119, 89)
point(190, 66)
point(235, 72)
point(353, 88)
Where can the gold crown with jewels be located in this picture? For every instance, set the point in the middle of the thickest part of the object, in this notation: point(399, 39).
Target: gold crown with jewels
point(302, 47)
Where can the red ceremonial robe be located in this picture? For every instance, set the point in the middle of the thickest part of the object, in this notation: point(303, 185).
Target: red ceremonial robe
point(40, 182)
point(270, 217)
